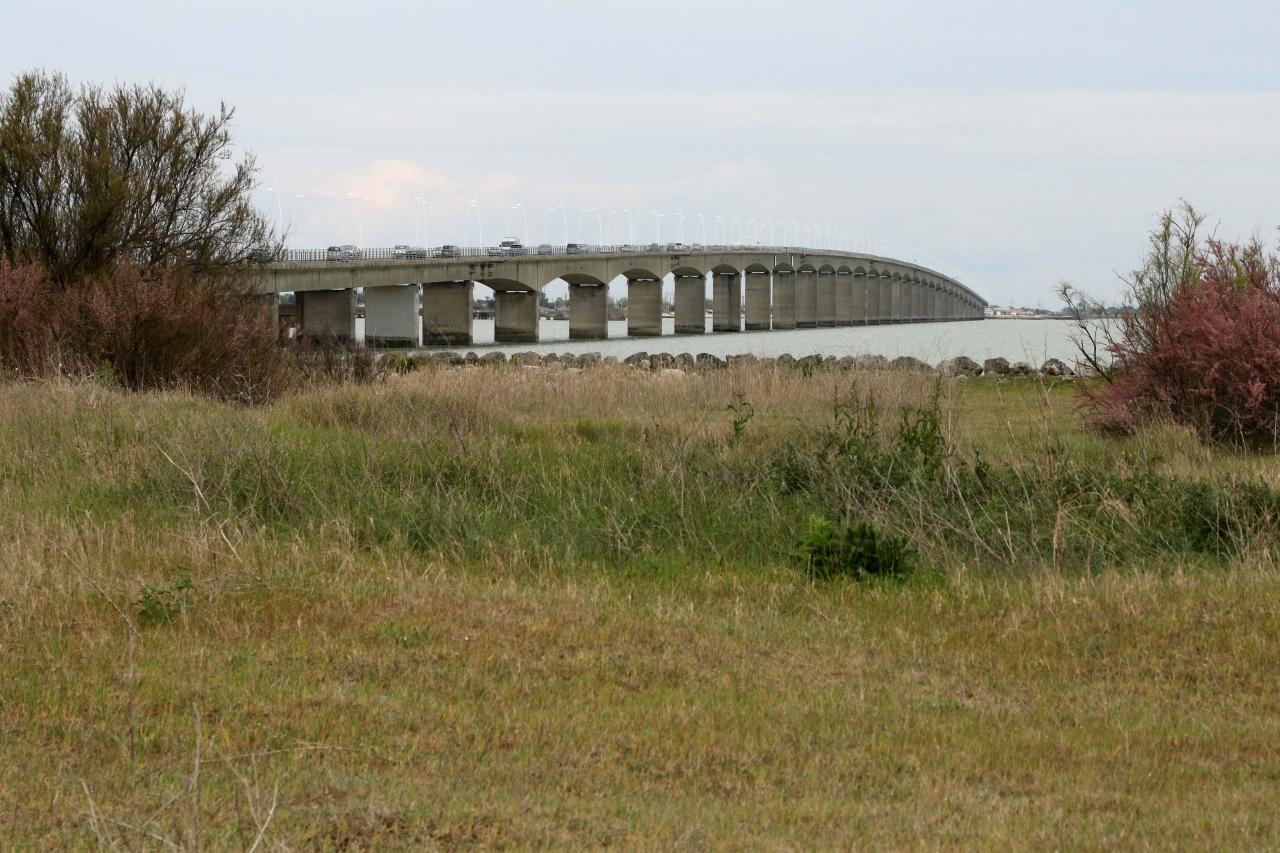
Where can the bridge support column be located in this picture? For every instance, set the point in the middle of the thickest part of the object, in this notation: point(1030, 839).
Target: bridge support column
point(758, 302)
point(844, 299)
point(691, 305)
point(726, 302)
point(327, 314)
point(271, 308)
point(784, 300)
point(391, 316)
point(895, 300)
point(644, 307)
point(859, 299)
point(806, 299)
point(826, 299)
point(515, 318)
point(588, 312)
point(446, 313)
point(905, 314)
point(934, 305)
point(884, 303)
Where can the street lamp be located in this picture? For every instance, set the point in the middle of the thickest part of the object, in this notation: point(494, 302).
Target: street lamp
point(424, 204)
point(279, 207)
point(475, 205)
point(679, 227)
point(359, 218)
point(519, 206)
point(293, 209)
point(657, 226)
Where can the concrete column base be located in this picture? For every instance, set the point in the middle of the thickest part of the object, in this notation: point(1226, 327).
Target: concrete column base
point(644, 308)
point(826, 300)
point(806, 300)
point(446, 313)
point(391, 316)
point(758, 302)
point(844, 299)
point(859, 300)
point(784, 300)
point(325, 314)
point(726, 303)
point(691, 311)
point(515, 316)
point(588, 312)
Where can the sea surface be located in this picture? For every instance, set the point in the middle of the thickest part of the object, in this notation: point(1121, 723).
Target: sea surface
point(1017, 340)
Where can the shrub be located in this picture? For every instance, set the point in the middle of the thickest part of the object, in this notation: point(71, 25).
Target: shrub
point(853, 550)
point(161, 330)
point(1201, 343)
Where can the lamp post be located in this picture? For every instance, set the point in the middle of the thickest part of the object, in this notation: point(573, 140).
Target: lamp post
point(657, 226)
point(279, 207)
point(293, 209)
point(424, 204)
point(679, 227)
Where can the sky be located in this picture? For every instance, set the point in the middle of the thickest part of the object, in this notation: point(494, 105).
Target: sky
point(1016, 144)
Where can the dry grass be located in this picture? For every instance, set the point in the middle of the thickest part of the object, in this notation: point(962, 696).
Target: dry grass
point(315, 686)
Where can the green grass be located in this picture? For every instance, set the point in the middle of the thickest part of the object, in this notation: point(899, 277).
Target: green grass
point(535, 608)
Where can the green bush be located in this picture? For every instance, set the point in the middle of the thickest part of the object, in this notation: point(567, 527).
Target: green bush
point(854, 550)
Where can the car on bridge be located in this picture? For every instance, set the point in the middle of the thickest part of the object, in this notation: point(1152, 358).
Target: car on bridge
point(345, 252)
point(403, 252)
point(545, 249)
point(509, 246)
point(448, 250)
point(576, 249)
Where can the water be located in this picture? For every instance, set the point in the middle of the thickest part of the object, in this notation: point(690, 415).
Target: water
point(1017, 340)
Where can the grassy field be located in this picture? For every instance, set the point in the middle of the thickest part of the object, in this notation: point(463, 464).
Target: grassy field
point(524, 608)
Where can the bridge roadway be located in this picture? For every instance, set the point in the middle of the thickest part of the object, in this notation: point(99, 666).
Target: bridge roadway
point(785, 288)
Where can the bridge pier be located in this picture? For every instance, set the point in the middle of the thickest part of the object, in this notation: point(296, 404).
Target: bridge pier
point(859, 297)
point(327, 313)
point(691, 305)
point(758, 297)
point(726, 302)
point(446, 313)
point(806, 299)
point(825, 309)
point(644, 307)
point(588, 311)
point(391, 316)
point(884, 305)
point(844, 299)
point(934, 305)
point(895, 300)
point(515, 318)
point(784, 300)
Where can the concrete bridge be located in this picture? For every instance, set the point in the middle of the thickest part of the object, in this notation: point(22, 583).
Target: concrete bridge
point(785, 288)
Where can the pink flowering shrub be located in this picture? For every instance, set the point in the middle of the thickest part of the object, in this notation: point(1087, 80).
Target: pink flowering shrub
point(1206, 353)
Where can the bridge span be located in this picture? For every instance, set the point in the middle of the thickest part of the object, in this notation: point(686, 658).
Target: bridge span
point(784, 288)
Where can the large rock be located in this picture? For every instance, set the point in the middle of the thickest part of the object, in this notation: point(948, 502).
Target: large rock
point(589, 359)
point(662, 361)
point(707, 361)
point(746, 358)
point(610, 361)
point(785, 360)
point(685, 361)
point(491, 359)
point(527, 359)
point(996, 366)
point(639, 359)
point(871, 362)
point(471, 358)
point(809, 363)
point(1056, 367)
point(961, 365)
point(1021, 368)
point(911, 364)
point(847, 362)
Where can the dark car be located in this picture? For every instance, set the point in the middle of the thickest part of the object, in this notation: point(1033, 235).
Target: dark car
point(448, 251)
point(575, 249)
